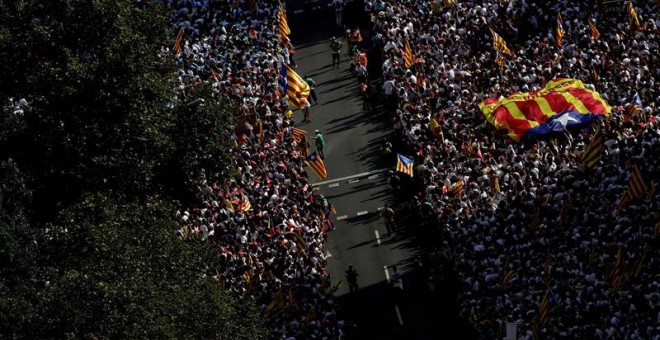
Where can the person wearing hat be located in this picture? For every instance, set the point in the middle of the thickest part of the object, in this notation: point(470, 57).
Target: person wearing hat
point(312, 85)
point(320, 143)
point(335, 46)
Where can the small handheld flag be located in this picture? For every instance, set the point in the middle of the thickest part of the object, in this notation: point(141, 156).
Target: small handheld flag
point(594, 31)
point(316, 164)
point(407, 55)
point(404, 164)
point(559, 31)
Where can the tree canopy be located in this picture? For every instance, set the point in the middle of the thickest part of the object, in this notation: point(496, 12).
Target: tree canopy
point(91, 153)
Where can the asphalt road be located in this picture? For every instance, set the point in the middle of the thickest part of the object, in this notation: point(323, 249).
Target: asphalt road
point(357, 186)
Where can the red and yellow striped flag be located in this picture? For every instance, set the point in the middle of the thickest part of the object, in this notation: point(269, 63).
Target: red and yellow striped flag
point(298, 134)
point(591, 154)
point(499, 44)
point(637, 186)
point(282, 21)
point(559, 30)
point(315, 163)
point(408, 58)
point(633, 15)
point(594, 31)
point(544, 309)
point(296, 89)
point(177, 43)
point(457, 190)
point(617, 274)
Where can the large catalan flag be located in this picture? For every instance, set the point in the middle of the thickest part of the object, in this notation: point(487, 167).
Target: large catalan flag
point(408, 58)
point(315, 163)
point(634, 108)
point(404, 164)
point(594, 31)
point(633, 15)
point(559, 31)
point(591, 154)
point(282, 21)
point(499, 44)
point(562, 102)
point(296, 89)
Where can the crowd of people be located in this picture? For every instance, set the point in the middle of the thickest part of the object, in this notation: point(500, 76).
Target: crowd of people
point(537, 239)
point(269, 226)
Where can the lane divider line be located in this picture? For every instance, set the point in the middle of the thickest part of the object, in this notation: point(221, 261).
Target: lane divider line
point(381, 208)
point(377, 237)
point(342, 217)
point(353, 181)
point(360, 213)
point(387, 274)
point(298, 11)
point(398, 314)
point(364, 174)
point(333, 185)
point(373, 176)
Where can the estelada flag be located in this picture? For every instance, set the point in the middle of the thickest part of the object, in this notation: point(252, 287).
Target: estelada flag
point(296, 89)
point(315, 163)
point(562, 102)
point(404, 164)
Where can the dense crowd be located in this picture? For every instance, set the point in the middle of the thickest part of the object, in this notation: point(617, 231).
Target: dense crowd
point(269, 227)
point(529, 210)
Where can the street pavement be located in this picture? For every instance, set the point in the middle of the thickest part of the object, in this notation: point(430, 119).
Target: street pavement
point(357, 186)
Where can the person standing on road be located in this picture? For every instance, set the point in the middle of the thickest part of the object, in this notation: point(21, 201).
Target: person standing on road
point(320, 143)
point(363, 87)
point(339, 10)
point(312, 85)
point(351, 278)
point(388, 216)
point(335, 46)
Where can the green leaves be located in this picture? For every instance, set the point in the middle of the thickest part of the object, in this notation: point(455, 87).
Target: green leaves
point(85, 249)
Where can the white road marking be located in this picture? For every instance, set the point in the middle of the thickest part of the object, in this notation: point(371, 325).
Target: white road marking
point(360, 213)
point(373, 176)
point(298, 11)
point(398, 314)
point(342, 217)
point(364, 174)
point(316, 188)
point(381, 208)
point(353, 181)
point(333, 185)
point(377, 236)
point(387, 274)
